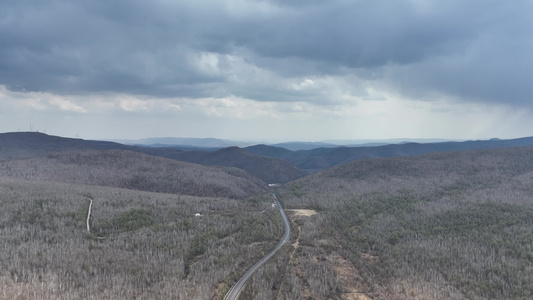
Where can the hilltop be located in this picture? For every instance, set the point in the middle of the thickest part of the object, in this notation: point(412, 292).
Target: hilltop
point(15, 145)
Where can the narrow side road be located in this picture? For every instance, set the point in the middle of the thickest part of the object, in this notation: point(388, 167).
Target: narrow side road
point(236, 289)
point(89, 214)
point(89, 219)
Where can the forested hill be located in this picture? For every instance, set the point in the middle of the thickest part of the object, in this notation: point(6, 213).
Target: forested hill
point(137, 171)
point(448, 225)
point(32, 144)
point(323, 158)
point(14, 145)
point(268, 169)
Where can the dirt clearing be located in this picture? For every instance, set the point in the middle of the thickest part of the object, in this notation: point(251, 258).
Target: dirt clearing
point(302, 212)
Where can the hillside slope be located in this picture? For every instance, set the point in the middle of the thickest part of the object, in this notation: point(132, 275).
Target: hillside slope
point(268, 169)
point(126, 169)
point(450, 225)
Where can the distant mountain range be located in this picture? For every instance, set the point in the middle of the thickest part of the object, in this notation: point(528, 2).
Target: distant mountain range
point(323, 158)
point(271, 164)
point(211, 144)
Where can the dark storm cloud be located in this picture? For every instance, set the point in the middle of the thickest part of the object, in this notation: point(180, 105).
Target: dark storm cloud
point(476, 50)
point(79, 46)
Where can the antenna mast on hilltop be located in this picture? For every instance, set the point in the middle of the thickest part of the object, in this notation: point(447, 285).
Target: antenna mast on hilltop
point(32, 128)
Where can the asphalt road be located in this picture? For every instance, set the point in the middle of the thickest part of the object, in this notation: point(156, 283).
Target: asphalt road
point(236, 289)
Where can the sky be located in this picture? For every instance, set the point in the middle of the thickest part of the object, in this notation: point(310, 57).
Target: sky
point(274, 70)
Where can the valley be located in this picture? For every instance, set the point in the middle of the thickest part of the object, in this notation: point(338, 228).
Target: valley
point(444, 225)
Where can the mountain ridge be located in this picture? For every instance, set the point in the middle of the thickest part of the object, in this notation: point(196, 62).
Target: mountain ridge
point(323, 158)
point(20, 145)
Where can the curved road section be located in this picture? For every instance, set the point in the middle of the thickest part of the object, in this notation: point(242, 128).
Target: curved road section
point(236, 289)
point(89, 214)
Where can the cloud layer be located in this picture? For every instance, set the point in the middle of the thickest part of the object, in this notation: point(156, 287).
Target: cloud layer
point(326, 54)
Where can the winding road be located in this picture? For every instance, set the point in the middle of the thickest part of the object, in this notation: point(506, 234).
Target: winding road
point(236, 289)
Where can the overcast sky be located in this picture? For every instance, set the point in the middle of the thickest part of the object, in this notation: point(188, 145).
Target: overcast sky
point(272, 70)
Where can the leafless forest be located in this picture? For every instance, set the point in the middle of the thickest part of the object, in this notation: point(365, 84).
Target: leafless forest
point(131, 170)
point(142, 245)
point(456, 225)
